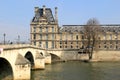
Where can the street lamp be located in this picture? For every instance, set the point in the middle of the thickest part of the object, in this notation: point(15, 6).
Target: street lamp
point(18, 39)
point(4, 37)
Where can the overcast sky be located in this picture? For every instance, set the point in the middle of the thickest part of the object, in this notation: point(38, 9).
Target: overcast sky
point(15, 15)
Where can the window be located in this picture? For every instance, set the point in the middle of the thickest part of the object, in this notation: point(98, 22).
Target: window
point(65, 46)
point(105, 46)
point(76, 37)
point(60, 46)
point(40, 29)
point(104, 42)
point(46, 29)
point(34, 36)
point(71, 36)
point(40, 36)
point(40, 43)
point(116, 42)
point(77, 47)
point(110, 36)
point(34, 29)
point(35, 43)
point(52, 44)
point(66, 36)
point(52, 36)
point(60, 42)
point(52, 29)
point(104, 36)
point(65, 42)
point(71, 46)
point(82, 37)
point(46, 36)
point(116, 36)
point(46, 44)
point(99, 46)
point(77, 42)
point(110, 46)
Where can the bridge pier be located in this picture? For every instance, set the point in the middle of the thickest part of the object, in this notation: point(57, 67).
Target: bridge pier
point(22, 72)
point(39, 62)
point(48, 58)
point(22, 68)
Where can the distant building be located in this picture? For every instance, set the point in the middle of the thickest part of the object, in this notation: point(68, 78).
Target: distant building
point(46, 33)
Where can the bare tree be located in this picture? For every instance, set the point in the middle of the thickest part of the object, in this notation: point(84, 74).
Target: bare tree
point(91, 33)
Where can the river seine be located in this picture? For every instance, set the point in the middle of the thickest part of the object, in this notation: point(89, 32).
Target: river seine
point(76, 70)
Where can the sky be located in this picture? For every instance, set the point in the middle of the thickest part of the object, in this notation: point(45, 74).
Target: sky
point(16, 15)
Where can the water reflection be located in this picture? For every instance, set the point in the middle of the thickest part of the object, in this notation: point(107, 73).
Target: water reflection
point(79, 71)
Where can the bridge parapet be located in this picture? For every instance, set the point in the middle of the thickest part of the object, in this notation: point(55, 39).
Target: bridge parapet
point(18, 46)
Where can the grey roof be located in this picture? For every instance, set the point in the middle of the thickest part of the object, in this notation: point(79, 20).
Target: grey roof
point(71, 28)
point(79, 28)
point(21, 60)
point(48, 15)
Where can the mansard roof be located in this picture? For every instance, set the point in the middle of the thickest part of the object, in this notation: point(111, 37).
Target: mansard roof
point(48, 15)
point(79, 28)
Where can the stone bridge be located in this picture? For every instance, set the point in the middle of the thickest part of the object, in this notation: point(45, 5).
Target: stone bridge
point(19, 59)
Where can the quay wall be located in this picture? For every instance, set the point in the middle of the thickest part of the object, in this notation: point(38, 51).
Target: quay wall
point(106, 55)
point(101, 55)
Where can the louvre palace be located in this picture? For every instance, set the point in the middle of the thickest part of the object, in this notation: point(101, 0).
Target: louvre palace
point(46, 33)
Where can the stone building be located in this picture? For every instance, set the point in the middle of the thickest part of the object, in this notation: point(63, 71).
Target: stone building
point(46, 33)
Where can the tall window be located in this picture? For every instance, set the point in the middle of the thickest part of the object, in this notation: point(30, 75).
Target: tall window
point(46, 44)
point(34, 36)
point(40, 43)
point(40, 29)
point(76, 37)
point(110, 36)
point(116, 36)
point(66, 37)
point(71, 36)
point(52, 29)
point(104, 36)
point(46, 29)
point(52, 36)
point(34, 29)
point(52, 44)
point(35, 43)
point(40, 36)
point(46, 36)
point(82, 37)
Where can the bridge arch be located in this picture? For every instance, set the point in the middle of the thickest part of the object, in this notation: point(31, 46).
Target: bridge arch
point(55, 58)
point(30, 57)
point(6, 70)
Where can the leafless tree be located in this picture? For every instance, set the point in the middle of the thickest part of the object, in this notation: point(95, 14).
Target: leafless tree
point(91, 31)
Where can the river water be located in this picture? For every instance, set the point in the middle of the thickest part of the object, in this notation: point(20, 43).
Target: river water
point(76, 70)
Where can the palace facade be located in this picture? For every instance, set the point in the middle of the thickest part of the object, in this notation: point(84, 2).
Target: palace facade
point(46, 33)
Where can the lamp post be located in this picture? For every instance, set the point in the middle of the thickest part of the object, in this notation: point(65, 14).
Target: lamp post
point(18, 39)
point(4, 37)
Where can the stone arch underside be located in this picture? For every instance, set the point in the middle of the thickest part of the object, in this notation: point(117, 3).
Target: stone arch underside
point(6, 71)
point(30, 57)
point(55, 58)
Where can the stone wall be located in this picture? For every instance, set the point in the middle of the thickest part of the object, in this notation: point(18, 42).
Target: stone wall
point(106, 55)
point(102, 55)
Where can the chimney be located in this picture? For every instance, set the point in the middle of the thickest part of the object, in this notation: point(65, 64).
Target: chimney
point(43, 10)
point(36, 9)
point(56, 14)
